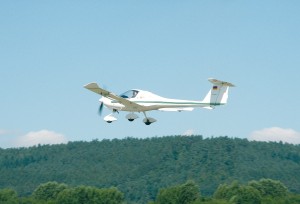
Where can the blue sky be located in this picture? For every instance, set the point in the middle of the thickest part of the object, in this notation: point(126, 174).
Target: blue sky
point(50, 49)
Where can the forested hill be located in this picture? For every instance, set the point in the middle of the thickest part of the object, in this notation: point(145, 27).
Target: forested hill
point(139, 167)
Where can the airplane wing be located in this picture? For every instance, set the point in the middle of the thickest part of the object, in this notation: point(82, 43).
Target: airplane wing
point(129, 104)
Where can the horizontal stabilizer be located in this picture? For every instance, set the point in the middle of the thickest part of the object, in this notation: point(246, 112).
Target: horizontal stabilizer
point(220, 83)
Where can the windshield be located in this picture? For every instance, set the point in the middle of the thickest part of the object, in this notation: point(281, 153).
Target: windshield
point(129, 94)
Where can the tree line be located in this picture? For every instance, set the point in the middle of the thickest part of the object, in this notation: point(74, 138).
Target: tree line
point(140, 168)
point(264, 191)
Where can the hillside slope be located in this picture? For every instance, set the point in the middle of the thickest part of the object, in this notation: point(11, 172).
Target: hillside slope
point(139, 167)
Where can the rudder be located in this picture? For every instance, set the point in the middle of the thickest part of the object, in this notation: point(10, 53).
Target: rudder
point(218, 94)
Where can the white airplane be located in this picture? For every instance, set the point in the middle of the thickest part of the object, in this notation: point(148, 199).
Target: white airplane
point(137, 101)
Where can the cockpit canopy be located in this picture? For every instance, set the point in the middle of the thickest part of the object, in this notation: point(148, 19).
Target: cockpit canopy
point(129, 94)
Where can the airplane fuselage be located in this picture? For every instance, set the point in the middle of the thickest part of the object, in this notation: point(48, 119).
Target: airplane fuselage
point(152, 101)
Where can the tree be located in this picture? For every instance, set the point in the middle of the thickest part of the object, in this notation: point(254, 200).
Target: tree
point(179, 194)
point(269, 187)
point(238, 194)
point(67, 196)
point(48, 191)
point(8, 196)
point(247, 195)
point(110, 196)
point(90, 195)
point(188, 192)
point(225, 191)
point(168, 195)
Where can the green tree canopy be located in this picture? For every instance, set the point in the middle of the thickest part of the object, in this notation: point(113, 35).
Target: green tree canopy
point(269, 187)
point(247, 195)
point(225, 191)
point(179, 194)
point(8, 196)
point(48, 191)
point(90, 195)
point(239, 194)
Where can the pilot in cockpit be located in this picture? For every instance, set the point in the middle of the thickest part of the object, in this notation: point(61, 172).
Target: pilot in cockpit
point(134, 93)
point(129, 94)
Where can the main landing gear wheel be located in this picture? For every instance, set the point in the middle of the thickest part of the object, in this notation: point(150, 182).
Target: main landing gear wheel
point(131, 116)
point(148, 122)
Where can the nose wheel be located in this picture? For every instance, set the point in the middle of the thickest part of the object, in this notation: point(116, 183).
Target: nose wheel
point(110, 118)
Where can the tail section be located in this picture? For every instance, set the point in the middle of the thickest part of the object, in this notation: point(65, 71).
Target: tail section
point(218, 94)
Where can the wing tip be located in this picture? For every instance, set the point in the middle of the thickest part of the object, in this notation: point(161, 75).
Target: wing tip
point(91, 85)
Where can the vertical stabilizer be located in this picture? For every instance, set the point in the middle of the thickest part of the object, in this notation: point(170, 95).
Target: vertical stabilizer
point(218, 94)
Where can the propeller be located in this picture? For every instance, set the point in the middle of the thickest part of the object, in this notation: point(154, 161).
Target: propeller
point(100, 108)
